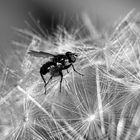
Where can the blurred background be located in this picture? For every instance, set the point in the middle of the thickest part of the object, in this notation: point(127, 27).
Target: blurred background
point(103, 14)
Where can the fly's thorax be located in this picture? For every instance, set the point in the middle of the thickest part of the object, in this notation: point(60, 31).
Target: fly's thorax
point(67, 62)
point(59, 65)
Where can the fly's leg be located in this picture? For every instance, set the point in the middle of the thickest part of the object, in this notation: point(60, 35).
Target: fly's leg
point(61, 74)
point(43, 78)
point(67, 71)
point(47, 83)
point(76, 70)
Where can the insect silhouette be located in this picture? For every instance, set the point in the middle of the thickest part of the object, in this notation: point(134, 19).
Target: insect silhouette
point(56, 65)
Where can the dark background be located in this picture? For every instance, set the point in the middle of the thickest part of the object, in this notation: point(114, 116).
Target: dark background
point(103, 13)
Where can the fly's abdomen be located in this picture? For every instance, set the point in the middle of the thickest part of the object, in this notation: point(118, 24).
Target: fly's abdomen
point(46, 67)
point(44, 70)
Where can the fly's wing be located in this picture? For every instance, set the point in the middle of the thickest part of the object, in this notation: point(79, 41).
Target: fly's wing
point(40, 54)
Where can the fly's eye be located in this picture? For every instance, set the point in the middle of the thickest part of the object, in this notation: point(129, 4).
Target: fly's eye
point(73, 59)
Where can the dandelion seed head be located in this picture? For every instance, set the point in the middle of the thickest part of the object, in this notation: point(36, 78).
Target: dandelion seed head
point(99, 97)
